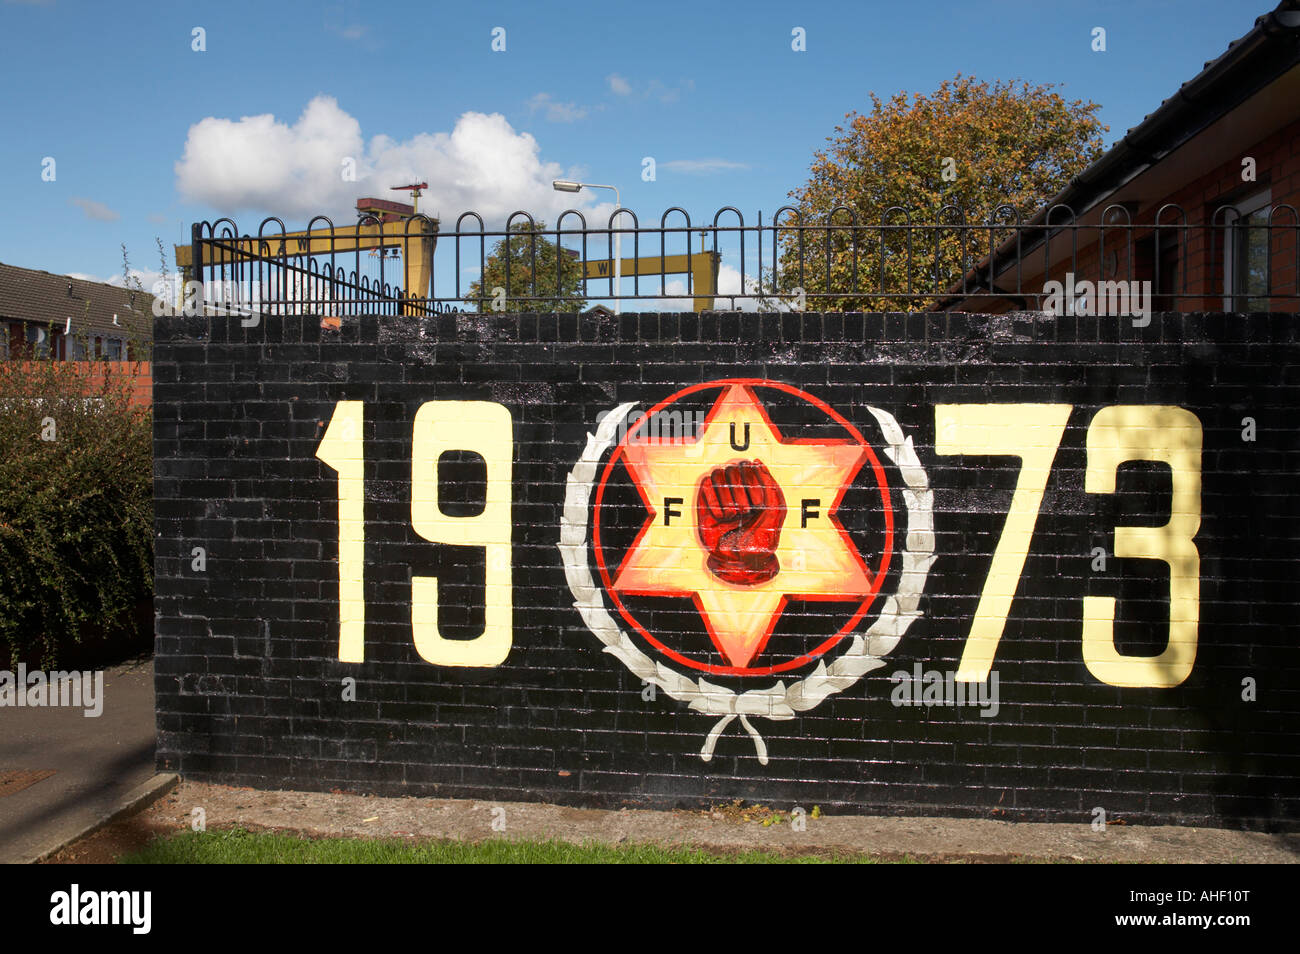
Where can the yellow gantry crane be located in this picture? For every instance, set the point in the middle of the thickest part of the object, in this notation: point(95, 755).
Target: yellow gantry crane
point(393, 225)
point(396, 225)
point(702, 266)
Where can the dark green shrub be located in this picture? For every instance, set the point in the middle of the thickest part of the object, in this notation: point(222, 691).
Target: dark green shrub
point(76, 507)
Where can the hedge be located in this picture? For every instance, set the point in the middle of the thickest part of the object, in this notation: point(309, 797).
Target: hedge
point(76, 508)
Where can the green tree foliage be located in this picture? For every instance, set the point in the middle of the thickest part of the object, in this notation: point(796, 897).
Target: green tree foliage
point(971, 152)
point(526, 246)
point(76, 507)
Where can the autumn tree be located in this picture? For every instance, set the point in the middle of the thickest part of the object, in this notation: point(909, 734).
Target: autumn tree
point(542, 277)
point(896, 180)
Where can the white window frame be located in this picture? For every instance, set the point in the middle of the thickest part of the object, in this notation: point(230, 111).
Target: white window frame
point(1246, 207)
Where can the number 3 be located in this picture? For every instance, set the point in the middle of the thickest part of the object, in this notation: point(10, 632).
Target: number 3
point(1171, 435)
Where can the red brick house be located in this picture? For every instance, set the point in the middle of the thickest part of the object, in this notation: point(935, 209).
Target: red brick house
point(1200, 199)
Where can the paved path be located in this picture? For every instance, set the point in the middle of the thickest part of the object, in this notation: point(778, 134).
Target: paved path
point(97, 762)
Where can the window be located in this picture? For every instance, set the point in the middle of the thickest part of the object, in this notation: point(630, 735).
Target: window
point(1166, 281)
point(38, 341)
point(1246, 251)
point(16, 341)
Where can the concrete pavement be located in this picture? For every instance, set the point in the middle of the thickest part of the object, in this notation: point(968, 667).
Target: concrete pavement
point(100, 765)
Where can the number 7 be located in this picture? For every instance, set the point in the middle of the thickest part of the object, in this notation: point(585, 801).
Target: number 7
point(1033, 433)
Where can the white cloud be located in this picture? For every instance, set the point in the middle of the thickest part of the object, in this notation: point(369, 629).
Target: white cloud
point(556, 112)
point(701, 167)
point(675, 286)
point(728, 284)
point(654, 89)
point(261, 164)
point(97, 211)
point(147, 277)
point(667, 94)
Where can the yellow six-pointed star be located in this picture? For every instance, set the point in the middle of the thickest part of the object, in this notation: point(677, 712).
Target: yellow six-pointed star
point(815, 556)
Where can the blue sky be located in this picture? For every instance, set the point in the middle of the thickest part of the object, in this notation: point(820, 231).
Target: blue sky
point(149, 135)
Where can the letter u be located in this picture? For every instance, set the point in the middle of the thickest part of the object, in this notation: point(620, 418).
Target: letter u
point(734, 445)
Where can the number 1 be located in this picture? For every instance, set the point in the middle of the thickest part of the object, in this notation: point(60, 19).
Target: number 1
point(341, 448)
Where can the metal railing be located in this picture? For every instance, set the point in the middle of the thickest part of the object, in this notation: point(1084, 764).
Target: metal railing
point(1235, 259)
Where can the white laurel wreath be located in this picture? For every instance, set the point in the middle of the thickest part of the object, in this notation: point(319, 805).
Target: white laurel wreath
point(776, 702)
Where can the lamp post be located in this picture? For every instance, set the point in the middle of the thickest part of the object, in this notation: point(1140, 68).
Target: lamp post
point(564, 185)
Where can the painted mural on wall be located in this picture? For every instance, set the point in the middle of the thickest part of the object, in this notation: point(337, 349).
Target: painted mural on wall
point(893, 563)
point(747, 561)
point(728, 544)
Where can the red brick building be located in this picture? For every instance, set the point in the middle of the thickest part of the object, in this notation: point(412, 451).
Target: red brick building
point(1199, 199)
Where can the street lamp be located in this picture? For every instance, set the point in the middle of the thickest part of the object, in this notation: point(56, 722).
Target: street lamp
point(564, 185)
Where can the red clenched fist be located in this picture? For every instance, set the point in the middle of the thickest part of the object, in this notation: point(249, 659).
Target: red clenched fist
point(739, 510)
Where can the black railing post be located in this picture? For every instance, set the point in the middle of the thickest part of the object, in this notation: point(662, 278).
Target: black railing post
point(196, 256)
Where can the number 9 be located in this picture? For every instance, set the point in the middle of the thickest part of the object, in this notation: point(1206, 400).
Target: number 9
point(484, 428)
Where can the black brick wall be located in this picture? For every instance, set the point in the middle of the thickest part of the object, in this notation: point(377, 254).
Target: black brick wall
point(248, 675)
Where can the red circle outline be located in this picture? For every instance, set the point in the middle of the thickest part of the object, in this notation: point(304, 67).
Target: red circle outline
point(878, 577)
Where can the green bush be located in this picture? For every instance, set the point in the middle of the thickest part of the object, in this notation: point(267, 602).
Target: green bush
point(76, 508)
